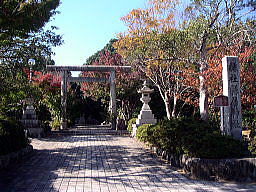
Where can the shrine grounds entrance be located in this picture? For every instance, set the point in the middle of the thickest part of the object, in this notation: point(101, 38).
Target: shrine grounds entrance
point(65, 79)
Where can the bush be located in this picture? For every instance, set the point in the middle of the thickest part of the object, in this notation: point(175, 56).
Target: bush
point(192, 137)
point(249, 119)
point(142, 132)
point(55, 124)
point(129, 125)
point(12, 136)
point(215, 146)
point(252, 145)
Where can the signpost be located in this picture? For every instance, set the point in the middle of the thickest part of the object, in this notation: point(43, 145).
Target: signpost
point(221, 101)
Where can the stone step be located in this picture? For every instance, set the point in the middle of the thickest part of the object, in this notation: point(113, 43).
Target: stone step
point(90, 130)
point(91, 126)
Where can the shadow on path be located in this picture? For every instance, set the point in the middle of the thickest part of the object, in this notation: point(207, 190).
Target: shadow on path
point(98, 163)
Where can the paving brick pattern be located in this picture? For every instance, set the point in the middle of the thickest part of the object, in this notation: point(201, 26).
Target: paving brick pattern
point(99, 163)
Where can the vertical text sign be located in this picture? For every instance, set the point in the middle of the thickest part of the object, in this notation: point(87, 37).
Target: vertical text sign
point(231, 89)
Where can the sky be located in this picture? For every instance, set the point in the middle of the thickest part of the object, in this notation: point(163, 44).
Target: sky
point(87, 26)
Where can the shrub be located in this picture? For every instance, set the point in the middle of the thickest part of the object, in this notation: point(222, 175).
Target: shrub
point(55, 124)
point(192, 137)
point(129, 125)
point(142, 132)
point(12, 136)
point(214, 145)
point(252, 145)
point(249, 119)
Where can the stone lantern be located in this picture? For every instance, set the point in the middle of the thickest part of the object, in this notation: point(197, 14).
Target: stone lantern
point(146, 116)
point(30, 121)
point(29, 118)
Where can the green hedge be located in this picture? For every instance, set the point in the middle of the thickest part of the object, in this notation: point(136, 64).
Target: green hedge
point(192, 137)
point(12, 136)
point(142, 132)
point(252, 145)
point(129, 124)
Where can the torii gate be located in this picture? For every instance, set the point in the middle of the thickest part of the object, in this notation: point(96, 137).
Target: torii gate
point(100, 68)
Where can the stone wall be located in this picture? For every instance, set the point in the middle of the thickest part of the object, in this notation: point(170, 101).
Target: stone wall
point(240, 170)
point(6, 160)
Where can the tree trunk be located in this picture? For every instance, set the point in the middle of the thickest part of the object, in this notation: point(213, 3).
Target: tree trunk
point(174, 106)
point(203, 98)
point(167, 101)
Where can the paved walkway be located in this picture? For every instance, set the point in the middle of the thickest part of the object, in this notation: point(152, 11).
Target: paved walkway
point(97, 162)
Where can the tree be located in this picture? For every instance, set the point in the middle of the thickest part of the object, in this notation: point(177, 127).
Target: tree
point(46, 88)
point(215, 24)
point(21, 34)
point(25, 16)
point(205, 26)
point(21, 38)
point(247, 70)
point(156, 47)
point(11, 92)
point(126, 83)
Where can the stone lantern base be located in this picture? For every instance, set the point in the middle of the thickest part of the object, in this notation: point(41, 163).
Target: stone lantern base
point(145, 117)
point(30, 121)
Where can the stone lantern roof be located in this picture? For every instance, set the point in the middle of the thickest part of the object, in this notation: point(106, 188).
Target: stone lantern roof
point(145, 88)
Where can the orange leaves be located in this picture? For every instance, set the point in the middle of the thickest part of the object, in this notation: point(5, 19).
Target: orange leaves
point(157, 17)
point(162, 5)
point(144, 26)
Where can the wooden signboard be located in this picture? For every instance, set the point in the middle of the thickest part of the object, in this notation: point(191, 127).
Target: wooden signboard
point(220, 101)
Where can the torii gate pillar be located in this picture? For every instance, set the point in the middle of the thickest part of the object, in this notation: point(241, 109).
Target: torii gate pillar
point(113, 99)
point(63, 100)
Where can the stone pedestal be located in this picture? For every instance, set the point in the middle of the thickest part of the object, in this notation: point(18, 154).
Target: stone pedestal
point(146, 116)
point(30, 121)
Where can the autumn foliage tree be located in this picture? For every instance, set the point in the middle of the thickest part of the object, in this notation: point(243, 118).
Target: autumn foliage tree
point(154, 46)
point(126, 83)
point(212, 25)
point(171, 45)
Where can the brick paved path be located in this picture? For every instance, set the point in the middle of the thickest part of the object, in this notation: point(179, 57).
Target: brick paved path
point(93, 163)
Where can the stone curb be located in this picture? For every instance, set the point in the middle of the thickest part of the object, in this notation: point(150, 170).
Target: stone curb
point(235, 169)
point(13, 157)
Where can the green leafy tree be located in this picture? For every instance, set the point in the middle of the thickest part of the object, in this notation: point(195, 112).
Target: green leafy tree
point(22, 37)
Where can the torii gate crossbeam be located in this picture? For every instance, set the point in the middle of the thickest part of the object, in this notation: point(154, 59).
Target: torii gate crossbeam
point(100, 68)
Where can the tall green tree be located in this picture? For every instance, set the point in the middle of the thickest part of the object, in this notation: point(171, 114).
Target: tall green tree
point(25, 16)
point(22, 37)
